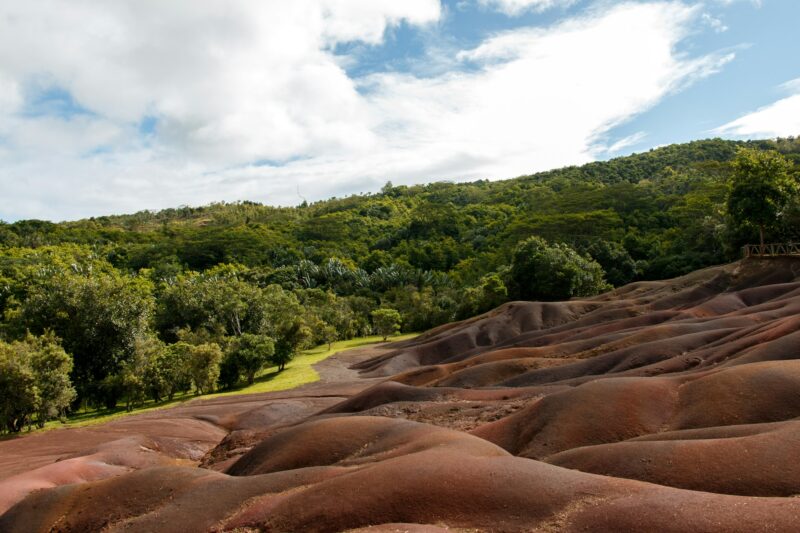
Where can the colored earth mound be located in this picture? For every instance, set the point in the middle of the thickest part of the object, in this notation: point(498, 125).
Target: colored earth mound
point(660, 406)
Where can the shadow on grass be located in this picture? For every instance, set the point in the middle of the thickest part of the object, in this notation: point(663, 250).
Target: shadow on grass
point(263, 378)
point(120, 409)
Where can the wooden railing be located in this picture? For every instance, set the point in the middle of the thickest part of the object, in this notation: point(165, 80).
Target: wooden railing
point(771, 250)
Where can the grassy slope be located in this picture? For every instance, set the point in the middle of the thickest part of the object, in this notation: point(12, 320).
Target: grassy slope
point(298, 372)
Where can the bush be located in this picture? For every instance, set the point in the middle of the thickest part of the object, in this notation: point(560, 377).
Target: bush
point(540, 271)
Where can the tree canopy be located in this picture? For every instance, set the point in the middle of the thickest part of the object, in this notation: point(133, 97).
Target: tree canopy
point(762, 188)
point(540, 271)
point(34, 381)
point(158, 303)
point(386, 322)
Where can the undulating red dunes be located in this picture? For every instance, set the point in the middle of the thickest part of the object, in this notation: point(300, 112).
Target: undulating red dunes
point(660, 406)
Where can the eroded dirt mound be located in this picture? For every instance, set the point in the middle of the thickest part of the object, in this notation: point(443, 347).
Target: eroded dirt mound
point(186, 435)
point(660, 406)
point(359, 471)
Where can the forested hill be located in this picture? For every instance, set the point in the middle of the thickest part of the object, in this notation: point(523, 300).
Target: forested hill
point(144, 305)
point(664, 206)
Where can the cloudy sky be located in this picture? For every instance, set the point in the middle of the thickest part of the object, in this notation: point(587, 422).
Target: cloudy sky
point(114, 106)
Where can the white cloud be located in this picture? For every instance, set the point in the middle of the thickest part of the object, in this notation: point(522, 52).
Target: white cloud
point(755, 3)
point(543, 97)
point(791, 86)
point(778, 119)
point(515, 8)
point(10, 98)
point(714, 23)
point(240, 82)
point(367, 20)
point(626, 142)
point(229, 80)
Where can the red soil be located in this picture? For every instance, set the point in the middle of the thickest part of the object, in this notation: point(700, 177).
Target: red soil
point(661, 406)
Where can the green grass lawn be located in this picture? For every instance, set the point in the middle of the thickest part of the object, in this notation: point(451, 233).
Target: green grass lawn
point(298, 372)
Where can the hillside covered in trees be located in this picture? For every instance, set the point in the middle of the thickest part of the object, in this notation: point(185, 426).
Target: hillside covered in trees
point(154, 303)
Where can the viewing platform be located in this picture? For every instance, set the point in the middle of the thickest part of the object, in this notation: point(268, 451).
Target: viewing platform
point(771, 250)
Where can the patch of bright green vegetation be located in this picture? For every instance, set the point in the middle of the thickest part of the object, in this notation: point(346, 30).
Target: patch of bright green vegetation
point(299, 371)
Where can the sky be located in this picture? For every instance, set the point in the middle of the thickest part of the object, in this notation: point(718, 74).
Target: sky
point(117, 106)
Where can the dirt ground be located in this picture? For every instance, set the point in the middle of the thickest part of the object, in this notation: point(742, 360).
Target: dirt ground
point(180, 435)
point(660, 406)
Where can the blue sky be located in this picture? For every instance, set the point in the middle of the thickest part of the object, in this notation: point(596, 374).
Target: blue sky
point(121, 106)
point(762, 35)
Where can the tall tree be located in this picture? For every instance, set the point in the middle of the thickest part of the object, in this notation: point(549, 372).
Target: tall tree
point(98, 316)
point(386, 322)
point(18, 396)
point(251, 353)
point(51, 367)
point(204, 360)
point(761, 188)
point(293, 337)
point(329, 335)
point(172, 365)
point(34, 381)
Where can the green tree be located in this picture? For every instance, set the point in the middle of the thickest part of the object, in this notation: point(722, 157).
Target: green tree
point(424, 308)
point(617, 263)
point(51, 367)
point(142, 375)
point(18, 394)
point(251, 353)
point(386, 322)
point(173, 367)
point(375, 260)
point(150, 355)
point(286, 324)
point(132, 382)
point(329, 335)
point(355, 317)
point(216, 300)
point(490, 293)
point(34, 381)
point(293, 337)
point(331, 310)
point(761, 188)
point(98, 316)
point(22, 269)
point(204, 361)
point(540, 271)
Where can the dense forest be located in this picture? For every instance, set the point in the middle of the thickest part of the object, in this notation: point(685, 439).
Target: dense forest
point(124, 308)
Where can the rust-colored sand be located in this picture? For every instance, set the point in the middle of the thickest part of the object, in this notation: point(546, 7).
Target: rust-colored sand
point(660, 406)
